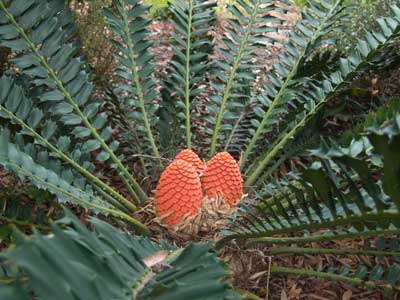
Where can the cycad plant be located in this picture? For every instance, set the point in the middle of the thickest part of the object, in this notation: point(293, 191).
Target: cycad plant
point(55, 134)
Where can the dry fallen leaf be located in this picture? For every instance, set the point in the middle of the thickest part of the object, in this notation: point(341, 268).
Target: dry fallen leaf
point(294, 292)
point(347, 295)
point(284, 295)
point(155, 258)
point(318, 297)
point(257, 275)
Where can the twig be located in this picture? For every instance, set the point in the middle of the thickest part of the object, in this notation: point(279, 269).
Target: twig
point(268, 276)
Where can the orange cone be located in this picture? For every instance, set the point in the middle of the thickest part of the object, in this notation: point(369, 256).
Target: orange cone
point(222, 178)
point(192, 158)
point(178, 193)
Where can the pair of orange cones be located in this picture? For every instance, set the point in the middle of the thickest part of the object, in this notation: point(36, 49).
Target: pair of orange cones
point(187, 180)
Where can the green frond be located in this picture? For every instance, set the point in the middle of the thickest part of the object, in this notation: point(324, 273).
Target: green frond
point(129, 24)
point(360, 278)
point(341, 188)
point(126, 130)
point(65, 187)
point(235, 71)
point(313, 95)
point(41, 34)
point(240, 132)
point(109, 264)
point(169, 124)
point(10, 292)
point(322, 251)
point(306, 138)
point(45, 126)
point(18, 213)
point(374, 275)
point(191, 47)
point(284, 89)
point(351, 191)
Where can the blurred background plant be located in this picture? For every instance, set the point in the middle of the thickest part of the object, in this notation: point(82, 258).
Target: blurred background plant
point(94, 35)
point(158, 8)
point(367, 11)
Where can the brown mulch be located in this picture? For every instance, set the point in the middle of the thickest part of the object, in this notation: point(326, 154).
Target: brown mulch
point(250, 266)
point(4, 56)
